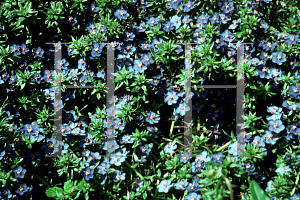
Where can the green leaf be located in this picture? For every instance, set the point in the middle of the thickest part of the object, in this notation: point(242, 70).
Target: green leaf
point(55, 192)
point(256, 192)
point(68, 186)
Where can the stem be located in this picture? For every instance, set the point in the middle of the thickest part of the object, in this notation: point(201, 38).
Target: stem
point(213, 172)
point(30, 167)
point(198, 125)
point(155, 194)
point(72, 152)
point(296, 183)
point(225, 146)
point(154, 141)
point(172, 126)
point(154, 157)
point(140, 175)
point(172, 141)
point(217, 188)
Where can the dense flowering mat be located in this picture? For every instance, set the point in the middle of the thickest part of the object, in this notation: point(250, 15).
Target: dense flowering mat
point(151, 159)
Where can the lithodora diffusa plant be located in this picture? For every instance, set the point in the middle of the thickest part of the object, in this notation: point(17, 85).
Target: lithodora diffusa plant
point(56, 141)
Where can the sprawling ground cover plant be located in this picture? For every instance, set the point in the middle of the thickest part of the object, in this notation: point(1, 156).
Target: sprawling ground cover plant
point(150, 161)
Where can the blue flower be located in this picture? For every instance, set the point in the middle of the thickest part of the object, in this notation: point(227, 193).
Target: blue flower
point(218, 158)
point(165, 186)
point(193, 196)
point(153, 131)
point(128, 36)
point(274, 109)
point(63, 64)
point(123, 60)
point(175, 3)
point(176, 21)
point(292, 63)
point(235, 23)
point(118, 175)
point(143, 150)
point(19, 172)
point(203, 19)
point(182, 108)
point(227, 7)
point(263, 26)
point(47, 75)
point(243, 137)
point(117, 158)
point(38, 52)
point(147, 59)
point(142, 27)
point(121, 14)
point(227, 36)
point(71, 19)
point(203, 157)
point(33, 157)
point(97, 49)
point(278, 57)
point(137, 184)
point(170, 147)
point(119, 124)
point(85, 140)
point(218, 41)
point(180, 185)
point(193, 187)
point(16, 49)
point(81, 80)
point(4, 75)
point(82, 64)
point(233, 149)
point(69, 94)
point(110, 145)
point(37, 136)
point(224, 18)
point(127, 48)
point(292, 39)
point(142, 4)
point(186, 19)
point(268, 46)
point(5, 193)
point(87, 173)
point(171, 98)
point(152, 117)
point(184, 157)
point(70, 50)
point(294, 91)
point(103, 168)
point(270, 138)
point(215, 18)
point(48, 94)
point(263, 71)
point(258, 176)
point(282, 170)
point(270, 186)
point(139, 66)
point(92, 8)
point(293, 107)
point(258, 141)
point(295, 196)
point(248, 167)
point(188, 6)
point(29, 129)
point(37, 78)
point(197, 166)
point(21, 189)
point(48, 148)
